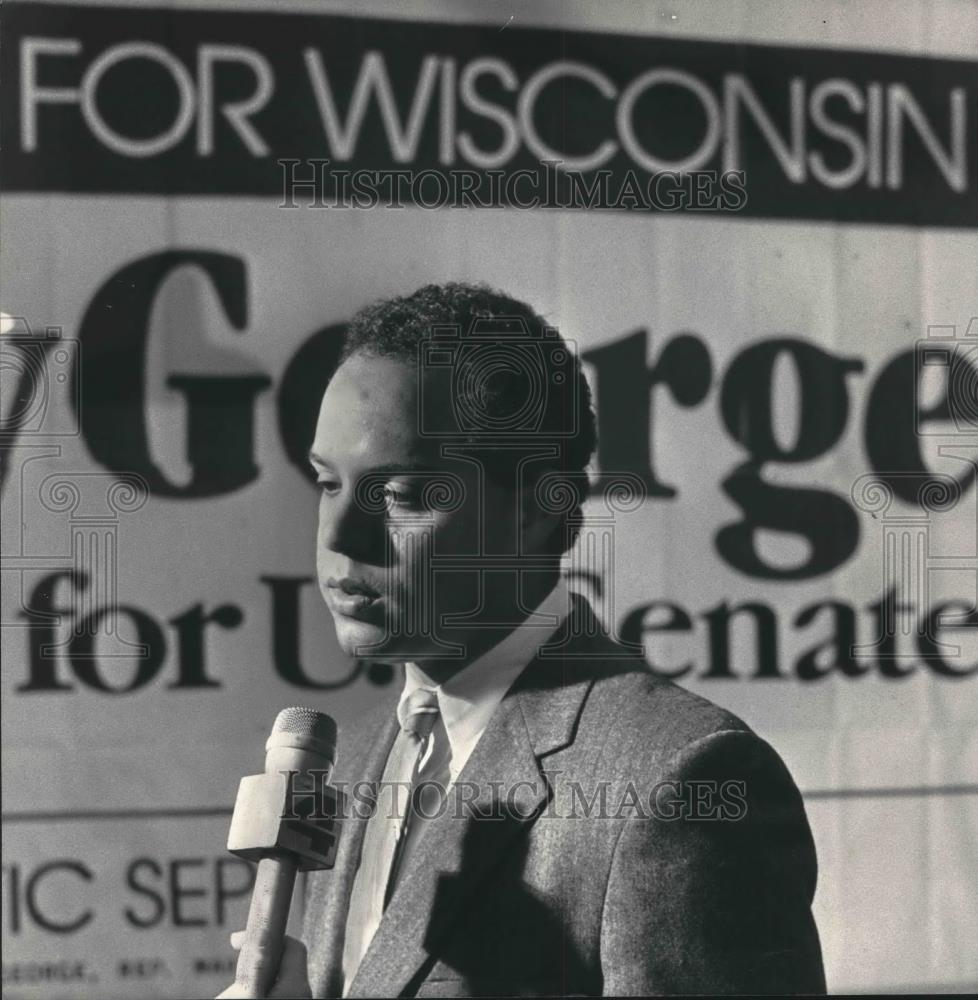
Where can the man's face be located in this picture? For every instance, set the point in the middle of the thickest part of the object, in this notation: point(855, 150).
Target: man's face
point(389, 502)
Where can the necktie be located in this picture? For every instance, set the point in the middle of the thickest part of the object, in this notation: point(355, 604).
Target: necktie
point(429, 789)
point(417, 715)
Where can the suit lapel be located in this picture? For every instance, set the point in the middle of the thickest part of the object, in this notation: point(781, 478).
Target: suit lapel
point(536, 717)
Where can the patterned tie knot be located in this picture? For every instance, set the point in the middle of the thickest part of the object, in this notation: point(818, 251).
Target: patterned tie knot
point(418, 712)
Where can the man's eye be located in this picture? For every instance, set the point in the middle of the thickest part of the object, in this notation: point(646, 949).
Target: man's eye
point(400, 497)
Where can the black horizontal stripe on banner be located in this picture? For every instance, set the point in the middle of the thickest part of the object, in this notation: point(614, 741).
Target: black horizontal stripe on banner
point(896, 792)
point(124, 100)
point(89, 815)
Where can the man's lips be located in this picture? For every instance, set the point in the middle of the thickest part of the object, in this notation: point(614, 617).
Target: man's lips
point(352, 585)
point(354, 599)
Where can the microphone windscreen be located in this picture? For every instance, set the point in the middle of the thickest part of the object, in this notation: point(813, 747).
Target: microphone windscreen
point(306, 729)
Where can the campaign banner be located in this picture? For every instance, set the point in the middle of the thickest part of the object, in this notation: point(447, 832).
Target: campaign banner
point(784, 366)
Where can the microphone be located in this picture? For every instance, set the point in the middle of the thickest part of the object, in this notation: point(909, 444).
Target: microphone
point(287, 820)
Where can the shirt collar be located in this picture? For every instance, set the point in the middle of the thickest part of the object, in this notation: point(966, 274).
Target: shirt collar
point(468, 699)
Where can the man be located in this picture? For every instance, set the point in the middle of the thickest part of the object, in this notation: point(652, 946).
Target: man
point(576, 825)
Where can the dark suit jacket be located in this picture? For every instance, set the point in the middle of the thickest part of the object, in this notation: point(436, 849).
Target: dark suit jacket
point(544, 888)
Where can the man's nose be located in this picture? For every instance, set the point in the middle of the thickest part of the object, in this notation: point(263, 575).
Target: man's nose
point(347, 528)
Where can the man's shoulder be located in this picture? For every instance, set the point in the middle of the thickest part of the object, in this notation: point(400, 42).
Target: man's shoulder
point(637, 729)
point(641, 700)
point(643, 719)
point(626, 700)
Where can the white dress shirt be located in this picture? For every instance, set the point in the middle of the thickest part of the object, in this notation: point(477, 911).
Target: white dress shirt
point(468, 699)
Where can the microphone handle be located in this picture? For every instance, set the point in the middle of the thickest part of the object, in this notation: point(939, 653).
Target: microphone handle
point(268, 915)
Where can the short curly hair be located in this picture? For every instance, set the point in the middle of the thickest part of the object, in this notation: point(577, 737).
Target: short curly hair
point(396, 327)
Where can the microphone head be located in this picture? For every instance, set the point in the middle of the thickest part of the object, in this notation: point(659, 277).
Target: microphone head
point(304, 729)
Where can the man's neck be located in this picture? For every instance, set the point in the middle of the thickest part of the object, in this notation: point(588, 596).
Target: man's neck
point(478, 641)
